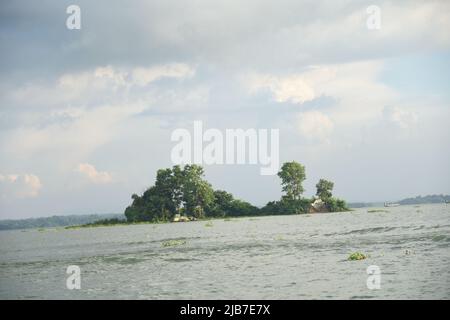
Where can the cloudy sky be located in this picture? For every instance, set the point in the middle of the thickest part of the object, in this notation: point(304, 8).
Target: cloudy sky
point(86, 115)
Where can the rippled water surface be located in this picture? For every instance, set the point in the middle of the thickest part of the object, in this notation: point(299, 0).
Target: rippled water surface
point(275, 257)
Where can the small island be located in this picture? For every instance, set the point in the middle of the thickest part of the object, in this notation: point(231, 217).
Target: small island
point(182, 194)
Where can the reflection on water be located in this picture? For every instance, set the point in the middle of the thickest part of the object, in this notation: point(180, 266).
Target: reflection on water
point(276, 257)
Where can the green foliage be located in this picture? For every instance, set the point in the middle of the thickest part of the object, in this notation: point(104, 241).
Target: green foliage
point(184, 191)
point(357, 256)
point(197, 194)
point(324, 188)
point(173, 243)
point(292, 175)
point(336, 205)
point(223, 204)
point(155, 205)
point(242, 208)
point(286, 206)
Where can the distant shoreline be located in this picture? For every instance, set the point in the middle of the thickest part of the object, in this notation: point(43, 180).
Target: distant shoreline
point(429, 199)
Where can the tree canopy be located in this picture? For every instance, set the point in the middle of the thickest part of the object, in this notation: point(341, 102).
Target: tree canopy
point(324, 188)
point(292, 175)
point(184, 191)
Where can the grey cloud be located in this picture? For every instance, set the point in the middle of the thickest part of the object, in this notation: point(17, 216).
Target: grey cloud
point(262, 35)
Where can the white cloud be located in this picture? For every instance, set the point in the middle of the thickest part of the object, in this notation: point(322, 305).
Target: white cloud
point(315, 126)
point(356, 96)
point(350, 82)
point(89, 171)
point(144, 76)
point(20, 185)
point(138, 75)
point(296, 88)
point(101, 78)
point(85, 110)
point(112, 78)
point(401, 118)
point(84, 130)
point(100, 85)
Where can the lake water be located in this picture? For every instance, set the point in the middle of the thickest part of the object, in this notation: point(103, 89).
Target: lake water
point(274, 257)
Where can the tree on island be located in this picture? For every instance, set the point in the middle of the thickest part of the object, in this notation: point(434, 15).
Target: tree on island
point(324, 188)
point(184, 191)
point(292, 175)
point(324, 193)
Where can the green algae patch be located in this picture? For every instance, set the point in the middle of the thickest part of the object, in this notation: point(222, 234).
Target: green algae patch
point(357, 256)
point(173, 243)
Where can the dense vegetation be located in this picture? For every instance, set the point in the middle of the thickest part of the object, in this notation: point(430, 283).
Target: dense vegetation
point(184, 191)
point(292, 175)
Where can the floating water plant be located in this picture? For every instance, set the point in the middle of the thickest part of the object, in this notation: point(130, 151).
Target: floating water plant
point(357, 256)
point(173, 243)
point(208, 224)
point(377, 210)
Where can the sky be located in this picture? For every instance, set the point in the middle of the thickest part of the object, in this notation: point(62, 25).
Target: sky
point(86, 116)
